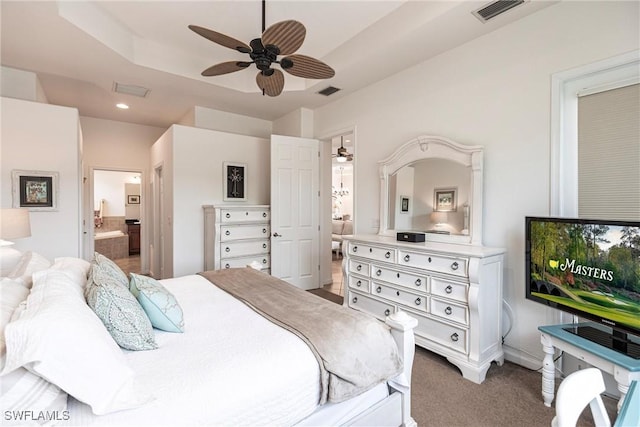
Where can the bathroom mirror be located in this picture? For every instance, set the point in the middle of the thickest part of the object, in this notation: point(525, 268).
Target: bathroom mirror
point(433, 185)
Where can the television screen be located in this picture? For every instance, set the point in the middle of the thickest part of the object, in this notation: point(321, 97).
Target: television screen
point(589, 268)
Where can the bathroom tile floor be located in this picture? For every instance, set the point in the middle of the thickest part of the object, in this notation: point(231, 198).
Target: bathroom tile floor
point(129, 265)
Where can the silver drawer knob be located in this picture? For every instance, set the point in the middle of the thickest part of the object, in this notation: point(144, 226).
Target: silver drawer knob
point(264, 231)
point(387, 312)
point(429, 259)
point(454, 266)
point(228, 215)
point(227, 266)
point(378, 272)
point(228, 233)
point(447, 310)
point(359, 283)
point(387, 255)
point(354, 300)
point(355, 249)
point(418, 301)
point(264, 214)
point(227, 249)
point(264, 246)
point(407, 258)
point(359, 267)
point(378, 289)
point(264, 260)
point(448, 289)
point(455, 337)
point(418, 282)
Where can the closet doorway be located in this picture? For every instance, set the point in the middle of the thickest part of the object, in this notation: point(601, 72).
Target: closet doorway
point(118, 216)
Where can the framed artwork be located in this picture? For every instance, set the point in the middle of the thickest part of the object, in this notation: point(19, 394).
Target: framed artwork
point(133, 199)
point(445, 199)
point(404, 204)
point(36, 190)
point(235, 181)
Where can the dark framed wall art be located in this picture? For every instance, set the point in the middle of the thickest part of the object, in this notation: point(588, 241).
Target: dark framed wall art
point(235, 181)
point(133, 199)
point(36, 190)
point(445, 200)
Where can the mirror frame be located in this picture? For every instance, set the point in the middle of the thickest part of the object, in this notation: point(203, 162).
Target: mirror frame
point(436, 147)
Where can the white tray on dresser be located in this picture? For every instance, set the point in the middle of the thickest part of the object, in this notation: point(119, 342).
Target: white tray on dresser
point(453, 290)
point(236, 236)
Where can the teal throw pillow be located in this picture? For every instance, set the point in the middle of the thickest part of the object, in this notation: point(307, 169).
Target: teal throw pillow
point(119, 310)
point(160, 305)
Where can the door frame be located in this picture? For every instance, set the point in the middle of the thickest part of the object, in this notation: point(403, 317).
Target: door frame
point(89, 205)
point(326, 173)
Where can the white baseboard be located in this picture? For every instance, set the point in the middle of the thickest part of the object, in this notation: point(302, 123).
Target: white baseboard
point(521, 358)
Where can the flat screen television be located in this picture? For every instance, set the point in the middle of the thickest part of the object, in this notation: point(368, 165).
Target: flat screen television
point(590, 268)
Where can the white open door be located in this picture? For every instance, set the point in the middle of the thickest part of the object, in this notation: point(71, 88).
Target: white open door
point(295, 227)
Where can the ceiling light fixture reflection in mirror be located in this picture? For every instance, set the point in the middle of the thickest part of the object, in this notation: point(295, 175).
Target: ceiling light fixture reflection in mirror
point(433, 185)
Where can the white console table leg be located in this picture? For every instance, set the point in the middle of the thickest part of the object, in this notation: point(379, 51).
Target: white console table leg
point(548, 371)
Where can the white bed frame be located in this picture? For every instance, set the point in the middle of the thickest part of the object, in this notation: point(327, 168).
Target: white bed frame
point(395, 410)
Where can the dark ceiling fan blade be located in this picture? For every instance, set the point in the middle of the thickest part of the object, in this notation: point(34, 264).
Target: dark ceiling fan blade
point(221, 39)
point(306, 67)
point(287, 36)
point(225, 68)
point(271, 85)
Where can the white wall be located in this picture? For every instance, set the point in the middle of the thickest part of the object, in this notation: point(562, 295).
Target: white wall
point(44, 137)
point(196, 180)
point(208, 118)
point(493, 91)
point(113, 145)
point(297, 123)
point(109, 186)
point(21, 84)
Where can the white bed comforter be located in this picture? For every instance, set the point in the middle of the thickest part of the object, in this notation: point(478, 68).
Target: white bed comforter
point(259, 374)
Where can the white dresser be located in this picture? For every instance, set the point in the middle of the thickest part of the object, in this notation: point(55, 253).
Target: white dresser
point(453, 290)
point(236, 235)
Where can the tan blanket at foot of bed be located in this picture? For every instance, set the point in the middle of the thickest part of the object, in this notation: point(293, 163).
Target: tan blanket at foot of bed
point(355, 352)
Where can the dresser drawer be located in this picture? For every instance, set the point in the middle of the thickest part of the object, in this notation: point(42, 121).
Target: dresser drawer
point(243, 248)
point(244, 215)
point(372, 252)
point(235, 232)
point(412, 281)
point(448, 311)
point(449, 289)
point(369, 305)
point(359, 283)
point(358, 267)
point(415, 301)
point(264, 260)
point(450, 265)
point(445, 334)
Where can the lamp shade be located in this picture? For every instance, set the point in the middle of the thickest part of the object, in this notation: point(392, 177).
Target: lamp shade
point(14, 223)
point(438, 217)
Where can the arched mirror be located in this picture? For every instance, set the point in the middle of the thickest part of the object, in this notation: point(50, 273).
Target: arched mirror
point(433, 185)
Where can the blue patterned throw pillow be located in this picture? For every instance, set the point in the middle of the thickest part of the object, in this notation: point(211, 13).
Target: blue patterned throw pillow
point(118, 309)
point(110, 269)
point(160, 305)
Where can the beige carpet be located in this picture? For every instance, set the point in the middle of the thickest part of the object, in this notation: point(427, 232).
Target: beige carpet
point(509, 396)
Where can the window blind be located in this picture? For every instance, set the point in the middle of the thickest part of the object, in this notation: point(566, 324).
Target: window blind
point(609, 154)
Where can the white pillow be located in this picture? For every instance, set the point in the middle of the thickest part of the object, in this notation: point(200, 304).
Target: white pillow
point(29, 263)
point(59, 338)
point(77, 269)
point(9, 258)
point(12, 293)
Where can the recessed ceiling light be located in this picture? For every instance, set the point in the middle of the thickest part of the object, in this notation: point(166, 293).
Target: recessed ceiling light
point(122, 106)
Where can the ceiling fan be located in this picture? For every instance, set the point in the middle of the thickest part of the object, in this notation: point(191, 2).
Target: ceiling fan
point(342, 155)
point(281, 38)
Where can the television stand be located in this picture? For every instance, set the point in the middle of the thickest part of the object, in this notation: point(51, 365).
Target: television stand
point(624, 369)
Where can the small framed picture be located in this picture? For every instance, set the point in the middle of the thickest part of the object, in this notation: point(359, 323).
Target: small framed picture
point(445, 200)
point(133, 199)
point(36, 190)
point(404, 204)
point(235, 181)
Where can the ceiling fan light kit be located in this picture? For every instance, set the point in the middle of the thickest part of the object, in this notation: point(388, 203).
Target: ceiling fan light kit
point(281, 38)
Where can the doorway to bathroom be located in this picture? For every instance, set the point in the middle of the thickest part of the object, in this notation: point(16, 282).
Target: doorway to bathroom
point(118, 217)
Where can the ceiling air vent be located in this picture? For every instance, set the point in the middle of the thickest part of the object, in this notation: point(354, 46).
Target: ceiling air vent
point(329, 90)
point(131, 89)
point(495, 8)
